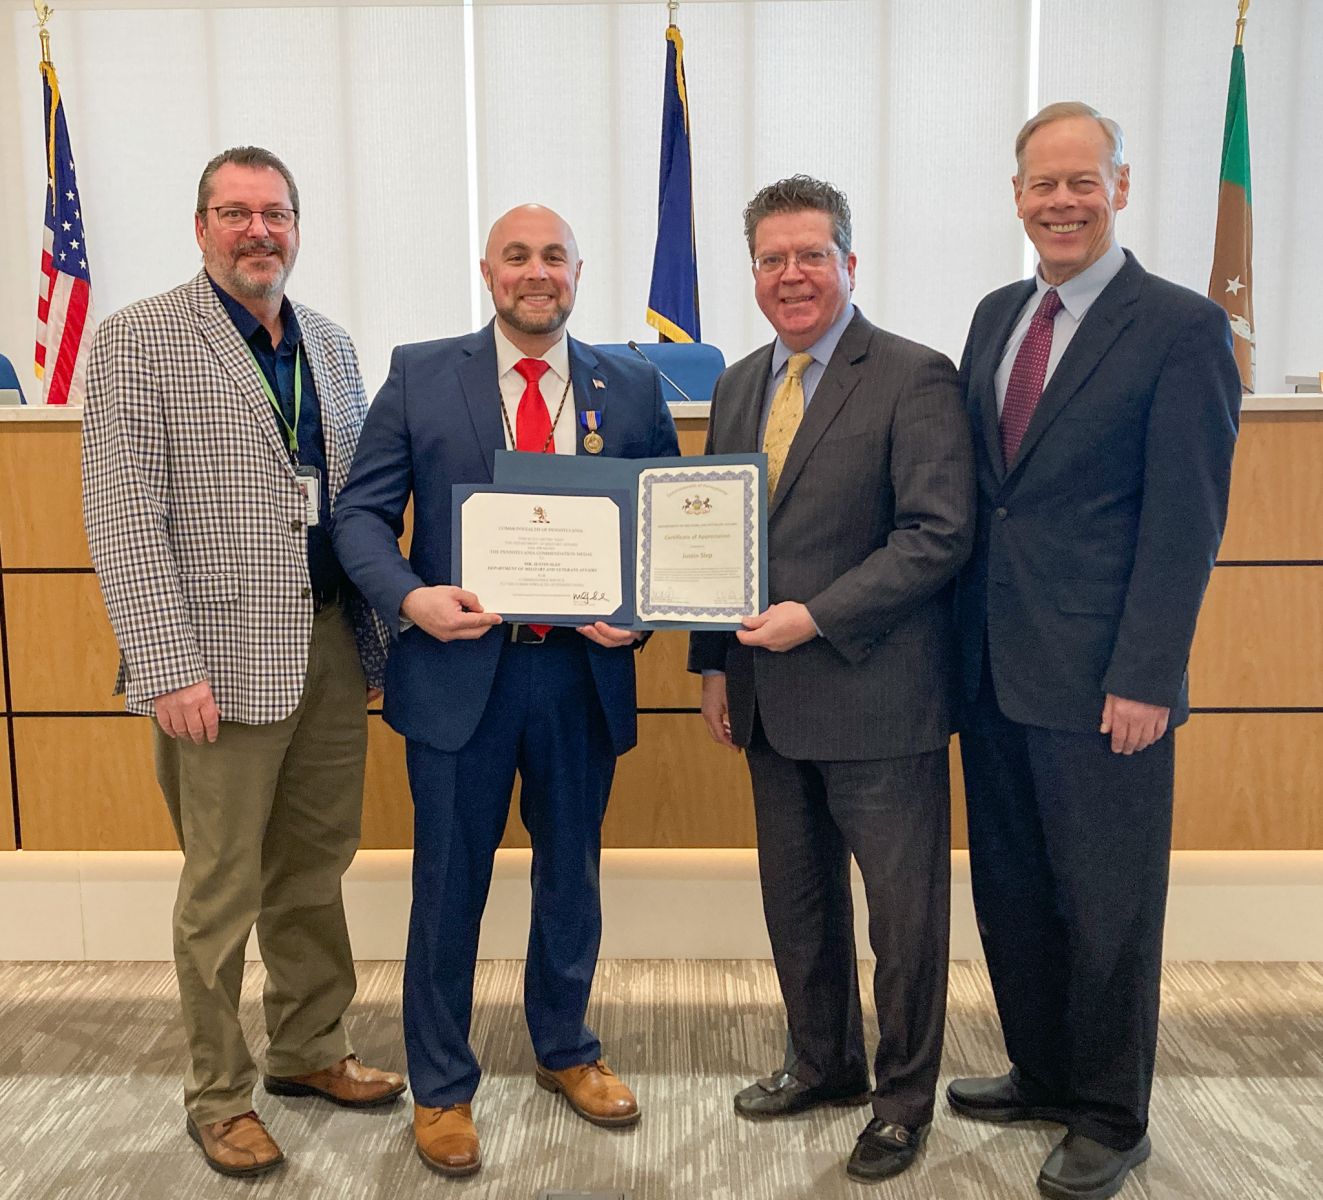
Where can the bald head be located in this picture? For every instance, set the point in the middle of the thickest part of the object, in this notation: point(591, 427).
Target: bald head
point(531, 267)
point(530, 224)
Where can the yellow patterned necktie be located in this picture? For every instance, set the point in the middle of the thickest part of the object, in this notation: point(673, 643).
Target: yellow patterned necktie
point(783, 420)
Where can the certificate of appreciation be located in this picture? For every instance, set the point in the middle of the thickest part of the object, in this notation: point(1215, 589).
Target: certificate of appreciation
point(699, 543)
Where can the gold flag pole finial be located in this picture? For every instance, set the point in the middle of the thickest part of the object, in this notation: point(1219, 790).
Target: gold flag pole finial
point(672, 7)
point(43, 12)
point(1240, 22)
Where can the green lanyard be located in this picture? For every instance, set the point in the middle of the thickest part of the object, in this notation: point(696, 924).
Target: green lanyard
point(291, 431)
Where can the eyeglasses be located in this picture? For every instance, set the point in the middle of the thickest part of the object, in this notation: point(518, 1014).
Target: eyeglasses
point(808, 260)
point(236, 217)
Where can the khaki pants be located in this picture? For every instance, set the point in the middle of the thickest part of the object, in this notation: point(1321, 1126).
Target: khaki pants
point(268, 818)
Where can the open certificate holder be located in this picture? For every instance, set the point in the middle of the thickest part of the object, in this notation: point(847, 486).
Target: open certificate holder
point(663, 543)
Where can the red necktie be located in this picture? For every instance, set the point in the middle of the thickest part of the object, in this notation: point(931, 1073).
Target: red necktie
point(533, 422)
point(1025, 385)
point(533, 425)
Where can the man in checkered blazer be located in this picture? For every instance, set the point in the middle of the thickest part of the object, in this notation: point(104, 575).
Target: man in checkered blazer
point(220, 423)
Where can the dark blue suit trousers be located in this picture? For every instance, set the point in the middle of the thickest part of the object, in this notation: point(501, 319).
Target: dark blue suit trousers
point(544, 721)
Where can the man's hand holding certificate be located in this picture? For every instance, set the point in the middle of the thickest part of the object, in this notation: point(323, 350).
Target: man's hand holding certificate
point(449, 614)
point(632, 543)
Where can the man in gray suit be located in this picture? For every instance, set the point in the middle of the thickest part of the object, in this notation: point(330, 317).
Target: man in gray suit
point(840, 691)
point(221, 420)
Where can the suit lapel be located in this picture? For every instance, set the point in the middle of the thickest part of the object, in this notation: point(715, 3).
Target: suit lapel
point(590, 394)
point(218, 331)
point(328, 400)
point(834, 388)
point(985, 374)
point(747, 404)
point(1102, 325)
point(480, 383)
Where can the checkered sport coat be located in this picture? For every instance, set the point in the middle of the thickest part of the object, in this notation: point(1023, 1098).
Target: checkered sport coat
point(192, 508)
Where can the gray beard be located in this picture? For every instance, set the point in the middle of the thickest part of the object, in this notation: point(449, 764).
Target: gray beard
point(240, 286)
point(254, 289)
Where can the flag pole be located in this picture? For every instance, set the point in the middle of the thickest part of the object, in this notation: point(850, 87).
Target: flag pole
point(65, 316)
point(1231, 280)
point(47, 68)
point(43, 12)
point(673, 293)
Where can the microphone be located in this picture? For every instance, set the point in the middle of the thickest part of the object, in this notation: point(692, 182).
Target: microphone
point(633, 345)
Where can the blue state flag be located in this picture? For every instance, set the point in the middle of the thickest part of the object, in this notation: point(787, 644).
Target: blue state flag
point(673, 297)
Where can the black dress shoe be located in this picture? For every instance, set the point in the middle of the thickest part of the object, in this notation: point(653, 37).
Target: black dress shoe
point(783, 1095)
point(999, 1100)
point(1082, 1169)
point(884, 1149)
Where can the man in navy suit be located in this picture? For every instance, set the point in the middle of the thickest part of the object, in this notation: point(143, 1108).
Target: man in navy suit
point(478, 699)
point(1104, 404)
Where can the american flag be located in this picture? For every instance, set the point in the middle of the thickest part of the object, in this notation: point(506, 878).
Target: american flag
point(64, 299)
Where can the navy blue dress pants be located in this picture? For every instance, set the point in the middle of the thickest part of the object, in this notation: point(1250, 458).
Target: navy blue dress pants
point(1068, 848)
point(543, 719)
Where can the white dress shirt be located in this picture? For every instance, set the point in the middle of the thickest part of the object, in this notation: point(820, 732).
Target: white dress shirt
point(553, 383)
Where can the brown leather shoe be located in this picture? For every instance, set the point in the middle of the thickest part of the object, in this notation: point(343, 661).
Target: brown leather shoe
point(594, 1091)
point(347, 1083)
point(447, 1140)
point(237, 1145)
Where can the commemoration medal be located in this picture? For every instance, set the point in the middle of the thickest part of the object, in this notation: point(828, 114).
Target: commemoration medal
point(591, 420)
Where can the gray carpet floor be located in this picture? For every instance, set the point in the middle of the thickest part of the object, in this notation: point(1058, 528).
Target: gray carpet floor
point(91, 1056)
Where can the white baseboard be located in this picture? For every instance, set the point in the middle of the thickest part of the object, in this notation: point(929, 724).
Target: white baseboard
point(1228, 906)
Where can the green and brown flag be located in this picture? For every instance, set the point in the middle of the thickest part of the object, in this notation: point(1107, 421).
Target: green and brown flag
point(1232, 282)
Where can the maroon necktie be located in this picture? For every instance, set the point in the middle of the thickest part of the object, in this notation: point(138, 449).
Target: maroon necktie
point(1025, 385)
point(533, 425)
point(533, 422)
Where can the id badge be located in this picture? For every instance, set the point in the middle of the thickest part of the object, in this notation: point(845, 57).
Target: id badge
point(310, 488)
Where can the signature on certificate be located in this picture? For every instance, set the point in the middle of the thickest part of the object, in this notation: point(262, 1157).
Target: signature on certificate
point(590, 597)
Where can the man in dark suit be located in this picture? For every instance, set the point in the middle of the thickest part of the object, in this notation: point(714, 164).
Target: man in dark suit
point(839, 691)
point(477, 700)
point(1104, 404)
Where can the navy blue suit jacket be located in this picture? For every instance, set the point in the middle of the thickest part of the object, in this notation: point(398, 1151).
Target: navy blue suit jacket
point(1092, 551)
point(437, 422)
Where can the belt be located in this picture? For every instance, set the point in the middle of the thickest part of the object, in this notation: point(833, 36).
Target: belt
point(524, 635)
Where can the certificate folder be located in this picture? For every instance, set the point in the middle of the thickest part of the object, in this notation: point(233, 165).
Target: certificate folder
point(689, 534)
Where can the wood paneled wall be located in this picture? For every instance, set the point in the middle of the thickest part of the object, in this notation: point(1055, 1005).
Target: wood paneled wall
point(41, 505)
point(6, 791)
point(1276, 490)
point(1248, 762)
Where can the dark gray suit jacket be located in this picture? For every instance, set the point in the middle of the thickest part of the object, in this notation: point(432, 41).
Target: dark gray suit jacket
point(1093, 550)
point(872, 519)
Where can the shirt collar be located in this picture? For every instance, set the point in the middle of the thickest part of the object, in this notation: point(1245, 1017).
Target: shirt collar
point(249, 326)
point(821, 350)
point(507, 354)
point(1079, 292)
